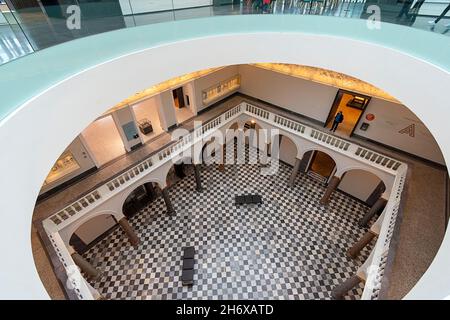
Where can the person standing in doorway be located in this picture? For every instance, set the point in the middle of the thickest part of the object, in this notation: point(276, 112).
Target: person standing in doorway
point(337, 120)
point(434, 22)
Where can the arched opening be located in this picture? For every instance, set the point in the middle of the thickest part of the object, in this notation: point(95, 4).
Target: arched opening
point(92, 231)
point(362, 185)
point(178, 171)
point(139, 198)
point(318, 165)
point(252, 141)
point(213, 152)
point(287, 149)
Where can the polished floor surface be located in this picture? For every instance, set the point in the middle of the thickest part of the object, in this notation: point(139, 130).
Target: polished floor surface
point(290, 247)
point(39, 31)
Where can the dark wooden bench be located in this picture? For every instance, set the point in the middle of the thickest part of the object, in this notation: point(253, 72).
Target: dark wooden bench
point(248, 199)
point(187, 275)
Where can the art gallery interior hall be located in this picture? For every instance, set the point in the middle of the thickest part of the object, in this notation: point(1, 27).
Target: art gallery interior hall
point(149, 201)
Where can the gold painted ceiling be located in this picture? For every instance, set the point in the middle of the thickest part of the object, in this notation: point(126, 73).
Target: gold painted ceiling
point(322, 76)
point(161, 87)
point(328, 77)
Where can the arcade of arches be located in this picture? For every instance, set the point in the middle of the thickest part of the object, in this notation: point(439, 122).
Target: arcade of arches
point(309, 235)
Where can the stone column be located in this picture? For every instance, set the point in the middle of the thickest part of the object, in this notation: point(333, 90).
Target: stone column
point(132, 236)
point(354, 251)
point(150, 190)
point(84, 265)
point(222, 155)
point(198, 180)
point(165, 194)
point(294, 172)
point(339, 292)
point(377, 207)
point(263, 154)
point(334, 182)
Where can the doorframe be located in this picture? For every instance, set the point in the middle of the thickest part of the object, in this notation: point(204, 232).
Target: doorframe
point(335, 101)
point(311, 161)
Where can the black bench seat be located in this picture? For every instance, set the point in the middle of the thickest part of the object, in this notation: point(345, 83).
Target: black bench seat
point(248, 199)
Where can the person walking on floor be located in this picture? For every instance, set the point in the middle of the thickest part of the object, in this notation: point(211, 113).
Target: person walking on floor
point(434, 22)
point(337, 120)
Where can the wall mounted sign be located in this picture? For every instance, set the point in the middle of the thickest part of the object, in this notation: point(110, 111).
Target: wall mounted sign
point(130, 130)
point(370, 117)
point(364, 126)
point(410, 130)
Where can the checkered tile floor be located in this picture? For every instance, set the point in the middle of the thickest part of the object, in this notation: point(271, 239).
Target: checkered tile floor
point(289, 247)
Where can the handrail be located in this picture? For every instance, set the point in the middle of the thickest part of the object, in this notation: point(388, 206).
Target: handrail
point(376, 268)
point(30, 43)
point(349, 148)
point(74, 211)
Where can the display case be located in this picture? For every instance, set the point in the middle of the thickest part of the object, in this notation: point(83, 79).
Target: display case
point(221, 89)
point(65, 165)
point(145, 126)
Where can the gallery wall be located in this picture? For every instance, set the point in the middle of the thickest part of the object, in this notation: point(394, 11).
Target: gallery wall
point(301, 96)
point(394, 124)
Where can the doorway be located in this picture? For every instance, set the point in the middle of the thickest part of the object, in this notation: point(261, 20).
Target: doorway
point(178, 97)
point(181, 105)
point(318, 165)
point(352, 106)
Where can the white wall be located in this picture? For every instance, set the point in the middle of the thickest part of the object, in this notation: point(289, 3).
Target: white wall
point(315, 100)
point(304, 97)
point(359, 183)
point(83, 159)
point(149, 109)
point(390, 118)
point(189, 91)
point(103, 139)
point(95, 227)
point(167, 110)
point(211, 80)
point(288, 151)
point(122, 118)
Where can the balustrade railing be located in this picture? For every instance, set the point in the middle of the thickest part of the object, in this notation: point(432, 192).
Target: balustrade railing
point(377, 266)
point(78, 208)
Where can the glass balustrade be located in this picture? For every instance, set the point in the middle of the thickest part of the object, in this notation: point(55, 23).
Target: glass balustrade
point(31, 25)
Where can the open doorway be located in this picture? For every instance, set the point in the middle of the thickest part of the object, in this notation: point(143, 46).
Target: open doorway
point(352, 106)
point(178, 98)
point(182, 105)
point(318, 165)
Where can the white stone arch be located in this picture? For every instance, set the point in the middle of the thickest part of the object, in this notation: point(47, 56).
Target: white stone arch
point(229, 135)
point(291, 137)
point(68, 231)
point(330, 153)
point(164, 171)
point(239, 122)
point(386, 178)
point(122, 196)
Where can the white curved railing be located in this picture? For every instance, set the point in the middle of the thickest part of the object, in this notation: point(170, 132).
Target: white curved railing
point(329, 141)
point(86, 203)
point(376, 267)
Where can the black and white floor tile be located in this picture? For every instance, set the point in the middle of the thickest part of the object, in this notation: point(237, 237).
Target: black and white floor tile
point(289, 247)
